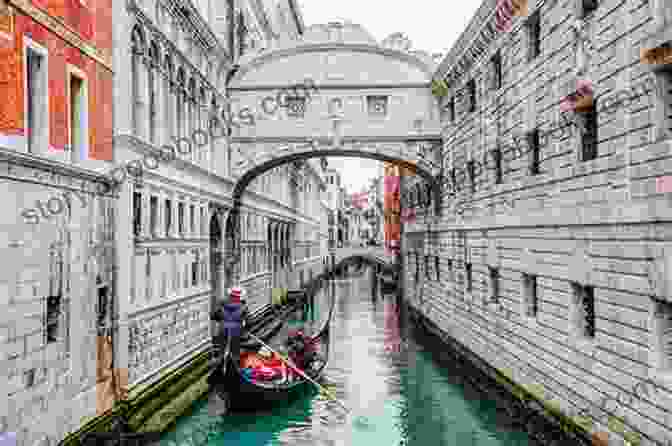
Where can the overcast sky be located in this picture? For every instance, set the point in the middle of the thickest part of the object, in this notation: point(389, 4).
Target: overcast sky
point(431, 25)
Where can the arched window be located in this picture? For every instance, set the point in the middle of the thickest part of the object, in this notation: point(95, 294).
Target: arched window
point(137, 55)
point(191, 107)
point(180, 99)
point(152, 89)
point(199, 145)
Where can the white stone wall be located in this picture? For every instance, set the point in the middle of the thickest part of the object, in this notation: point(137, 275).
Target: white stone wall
point(597, 223)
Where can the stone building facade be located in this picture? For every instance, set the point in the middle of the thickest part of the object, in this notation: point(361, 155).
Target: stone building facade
point(172, 218)
point(552, 261)
point(57, 239)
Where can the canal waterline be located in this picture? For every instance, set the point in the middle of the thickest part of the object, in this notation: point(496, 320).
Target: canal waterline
point(398, 388)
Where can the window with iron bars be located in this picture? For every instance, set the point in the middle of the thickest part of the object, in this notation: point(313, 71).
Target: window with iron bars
point(468, 277)
point(494, 284)
point(530, 294)
point(497, 71)
point(471, 95)
point(584, 310)
point(533, 144)
point(589, 136)
point(663, 333)
point(533, 26)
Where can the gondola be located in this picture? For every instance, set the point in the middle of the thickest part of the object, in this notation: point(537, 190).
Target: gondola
point(243, 393)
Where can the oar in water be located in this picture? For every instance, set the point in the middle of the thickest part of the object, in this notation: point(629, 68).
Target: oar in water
point(289, 362)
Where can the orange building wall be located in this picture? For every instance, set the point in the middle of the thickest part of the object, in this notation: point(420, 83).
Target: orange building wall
point(94, 25)
point(391, 200)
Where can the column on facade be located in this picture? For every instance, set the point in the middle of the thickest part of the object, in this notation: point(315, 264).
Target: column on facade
point(144, 211)
point(174, 229)
point(160, 213)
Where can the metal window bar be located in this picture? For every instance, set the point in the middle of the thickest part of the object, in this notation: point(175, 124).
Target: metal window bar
point(471, 87)
point(137, 213)
point(468, 276)
point(497, 71)
point(666, 332)
point(534, 35)
point(589, 136)
point(533, 144)
point(497, 157)
point(588, 303)
point(494, 285)
point(530, 283)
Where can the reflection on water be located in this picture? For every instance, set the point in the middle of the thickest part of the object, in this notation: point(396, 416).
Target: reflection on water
point(398, 392)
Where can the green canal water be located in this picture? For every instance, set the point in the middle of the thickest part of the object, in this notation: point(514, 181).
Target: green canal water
point(389, 375)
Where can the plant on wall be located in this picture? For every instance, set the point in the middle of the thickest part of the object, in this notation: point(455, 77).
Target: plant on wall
point(439, 88)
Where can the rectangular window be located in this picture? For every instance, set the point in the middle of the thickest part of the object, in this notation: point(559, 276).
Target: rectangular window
point(376, 105)
point(180, 218)
point(471, 169)
point(154, 214)
point(436, 266)
point(192, 219)
point(37, 114)
point(471, 92)
point(468, 277)
point(494, 284)
point(663, 333)
point(194, 270)
point(589, 6)
point(296, 106)
point(427, 272)
point(534, 36)
point(168, 218)
point(450, 107)
point(204, 223)
point(137, 213)
point(584, 310)
point(664, 81)
point(78, 118)
point(589, 134)
point(497, 71)
point(52, 319)
point(186, 276)
point(530, 295)
point(497, 159)
point(533, 144)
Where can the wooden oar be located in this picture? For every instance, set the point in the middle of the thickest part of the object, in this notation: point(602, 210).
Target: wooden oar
point(303, 375)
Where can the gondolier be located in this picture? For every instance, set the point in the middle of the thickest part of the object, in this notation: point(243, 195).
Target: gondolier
point(233, 317)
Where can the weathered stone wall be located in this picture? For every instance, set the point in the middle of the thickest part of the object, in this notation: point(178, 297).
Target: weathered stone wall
point(596, 223)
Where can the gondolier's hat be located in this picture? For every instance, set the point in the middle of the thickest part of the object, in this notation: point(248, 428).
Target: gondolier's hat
point(235, 294)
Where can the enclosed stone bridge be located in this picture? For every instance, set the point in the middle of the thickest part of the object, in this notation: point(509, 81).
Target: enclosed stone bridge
point(388, 115)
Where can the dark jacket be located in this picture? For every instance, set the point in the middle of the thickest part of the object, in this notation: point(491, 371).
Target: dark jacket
point(233, 317)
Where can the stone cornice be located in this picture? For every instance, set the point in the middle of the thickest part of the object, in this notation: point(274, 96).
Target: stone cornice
point(324, 141)
point(260, 202)
point(335, 86)
point(273, 55)
point(31, 161)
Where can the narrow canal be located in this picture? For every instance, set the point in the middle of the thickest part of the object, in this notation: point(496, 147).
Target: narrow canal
point(388, 374)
